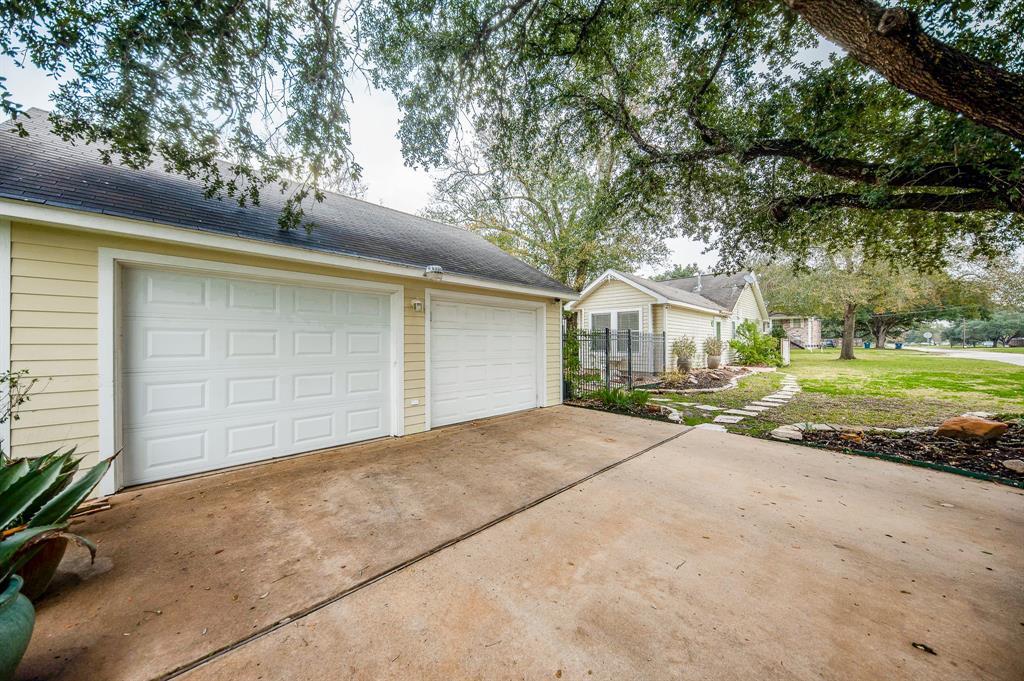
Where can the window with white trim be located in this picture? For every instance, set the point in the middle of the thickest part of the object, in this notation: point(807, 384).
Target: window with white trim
point(628, 321)
point(616, 322)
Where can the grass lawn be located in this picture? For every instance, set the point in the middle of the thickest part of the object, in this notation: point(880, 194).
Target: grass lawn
point(1019, 350)
point(887, 388)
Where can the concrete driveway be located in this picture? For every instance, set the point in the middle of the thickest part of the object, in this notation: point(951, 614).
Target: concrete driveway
point(703, 556)
point(1004, 357)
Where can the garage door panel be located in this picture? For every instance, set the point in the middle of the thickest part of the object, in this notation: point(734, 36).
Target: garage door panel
point(223, 371)
point(252, 438)
point(252, 343)
point(483, 360)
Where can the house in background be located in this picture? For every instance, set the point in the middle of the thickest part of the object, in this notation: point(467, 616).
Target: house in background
point(803, 332)
point(699, 307)
point(196, 334)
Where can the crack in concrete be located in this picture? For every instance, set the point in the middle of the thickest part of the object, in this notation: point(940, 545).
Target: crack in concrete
point(319, 605)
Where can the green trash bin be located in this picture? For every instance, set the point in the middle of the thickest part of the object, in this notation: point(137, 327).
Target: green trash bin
point(867, 345)
point(899, 346)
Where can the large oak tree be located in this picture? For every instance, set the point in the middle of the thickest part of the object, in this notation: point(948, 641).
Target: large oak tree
point(727, 126)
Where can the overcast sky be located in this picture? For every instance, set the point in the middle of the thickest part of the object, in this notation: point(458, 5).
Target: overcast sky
point(374, 126)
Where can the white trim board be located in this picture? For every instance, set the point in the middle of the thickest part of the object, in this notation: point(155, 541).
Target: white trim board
point(5, 322)
point(609, 275)
point(117, 226)
point(540, 311)
point(110, 261)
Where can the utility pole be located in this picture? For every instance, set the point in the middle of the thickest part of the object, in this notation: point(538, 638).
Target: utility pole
point(963, 342)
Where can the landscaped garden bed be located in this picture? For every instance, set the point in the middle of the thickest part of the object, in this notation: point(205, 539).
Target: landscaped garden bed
point(975, 455)
point(629, 403)
point(701, 379)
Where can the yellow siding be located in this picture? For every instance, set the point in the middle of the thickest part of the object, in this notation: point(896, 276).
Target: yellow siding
point(658, 318)
point(54, 305)
point(696, 325)
point(746, 309)
point(613, 296)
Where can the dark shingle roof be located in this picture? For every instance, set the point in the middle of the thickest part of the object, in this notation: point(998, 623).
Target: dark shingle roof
point(43, 168)
point(675, 293)
point(723, 289)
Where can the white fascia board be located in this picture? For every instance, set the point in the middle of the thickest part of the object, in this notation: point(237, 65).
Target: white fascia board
point(698, 308)
point(659, 299)
point(118, 226)
point(756, 287)
point(608, 275)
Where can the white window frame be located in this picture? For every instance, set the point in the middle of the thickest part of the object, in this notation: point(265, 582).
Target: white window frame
point(110, 261)
point(614, 312)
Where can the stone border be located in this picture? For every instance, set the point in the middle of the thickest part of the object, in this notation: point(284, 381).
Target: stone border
point(795, 431)
point(986, 477)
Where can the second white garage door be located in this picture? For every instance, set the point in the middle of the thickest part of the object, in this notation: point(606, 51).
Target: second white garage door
point(220, 371)
point(484, 360)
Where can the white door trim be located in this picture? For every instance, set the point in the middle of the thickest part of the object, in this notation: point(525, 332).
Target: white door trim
point(109, 330)
point(5, 321)
point(540, 310)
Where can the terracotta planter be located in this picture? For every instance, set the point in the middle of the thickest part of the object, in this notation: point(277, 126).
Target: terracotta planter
point(17, 618)
point(38, 572)
point(714, 361)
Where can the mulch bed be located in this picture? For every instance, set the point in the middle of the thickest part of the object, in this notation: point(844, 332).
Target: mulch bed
point(703, 379)
point(649, 411)
point(979, 456)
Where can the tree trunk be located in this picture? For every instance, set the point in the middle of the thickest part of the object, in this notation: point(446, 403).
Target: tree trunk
point(849, 331)
point(881, 333)
point(891, 42)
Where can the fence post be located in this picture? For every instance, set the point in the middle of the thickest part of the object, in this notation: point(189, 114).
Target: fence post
point(665, 351)
point(607, 361)
point(629, 359)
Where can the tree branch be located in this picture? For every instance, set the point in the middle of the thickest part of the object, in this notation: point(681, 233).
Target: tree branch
point(951, 175)
point(892, 43)
point(964, 202)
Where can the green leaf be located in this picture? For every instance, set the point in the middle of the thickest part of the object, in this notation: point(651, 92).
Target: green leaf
point(22, 493)
point(63, 505)
point(28, 553)
point(12, 473)
point(68, 466)
point(24, 540)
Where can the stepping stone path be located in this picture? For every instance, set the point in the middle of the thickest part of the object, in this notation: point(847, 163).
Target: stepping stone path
point(789, 388)
point(740, 412)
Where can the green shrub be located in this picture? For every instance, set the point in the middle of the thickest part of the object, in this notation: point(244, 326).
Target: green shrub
point(620, 398)
point(778, 332)
point(754, 348)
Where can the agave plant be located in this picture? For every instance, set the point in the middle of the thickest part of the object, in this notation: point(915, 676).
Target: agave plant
point(37, 497)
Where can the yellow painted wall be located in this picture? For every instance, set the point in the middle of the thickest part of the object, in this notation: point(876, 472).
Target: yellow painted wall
point(612, 296)
point(54, 330)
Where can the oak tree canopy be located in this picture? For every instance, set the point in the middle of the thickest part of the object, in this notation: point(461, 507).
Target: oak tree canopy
point(906, 143)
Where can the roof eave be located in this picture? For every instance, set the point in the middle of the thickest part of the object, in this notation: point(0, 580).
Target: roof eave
point(115, 225)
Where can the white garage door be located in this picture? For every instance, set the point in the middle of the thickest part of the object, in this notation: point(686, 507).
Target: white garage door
point(483, 360)
point(221, 371)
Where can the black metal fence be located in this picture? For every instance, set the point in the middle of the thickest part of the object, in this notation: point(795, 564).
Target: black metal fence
point(611, 359)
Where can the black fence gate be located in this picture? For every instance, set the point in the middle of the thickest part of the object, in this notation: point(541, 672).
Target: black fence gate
point(611, 359)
